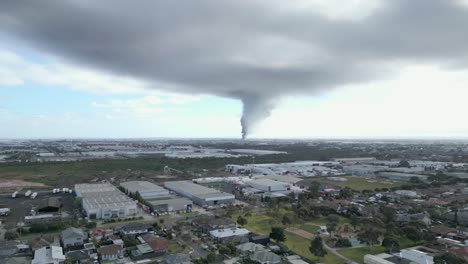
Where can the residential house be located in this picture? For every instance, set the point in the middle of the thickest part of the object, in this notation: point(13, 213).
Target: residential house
point(417, 217)
point(265, 257)
point(97, 234)
point(135, 229)
point(259, 239)
point(206, 223)
point(159, 246)
point(43, 241)
point(111, 252)
point(249, 248)
point(79, 257)
point(73, 237)
point(49, 255)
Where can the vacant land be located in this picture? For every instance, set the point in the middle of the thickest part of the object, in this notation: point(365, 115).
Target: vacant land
point(357, 254)
point(262, 224)
point(359, 184)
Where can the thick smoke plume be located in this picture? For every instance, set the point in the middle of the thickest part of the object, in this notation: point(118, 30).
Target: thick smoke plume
point(255, 109)
point(251, 50)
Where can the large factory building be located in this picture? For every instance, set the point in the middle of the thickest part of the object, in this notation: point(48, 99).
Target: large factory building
point(147, 190)
point(200, 195)
point(105, 201)
point(268, 185)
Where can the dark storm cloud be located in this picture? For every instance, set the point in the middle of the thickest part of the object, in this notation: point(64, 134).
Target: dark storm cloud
point(240, 49)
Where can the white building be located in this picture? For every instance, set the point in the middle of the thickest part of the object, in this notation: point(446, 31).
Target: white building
point(228, 232)
point(105, 201)
point(269, 185)
point(48, 255)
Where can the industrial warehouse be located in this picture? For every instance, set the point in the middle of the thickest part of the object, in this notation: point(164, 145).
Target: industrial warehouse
point(268, 185)
point(179, 204)
point(200, 195)
point(104, 201)
point(156, 197)
point(147, 190)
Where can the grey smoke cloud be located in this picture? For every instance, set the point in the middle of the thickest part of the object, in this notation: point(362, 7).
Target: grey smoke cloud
point(248, 50)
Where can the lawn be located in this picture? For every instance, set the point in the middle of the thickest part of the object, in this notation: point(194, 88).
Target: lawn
point(262, 224)
point(300, 246)
point(359, 184)
point(311, 228)
point(174, 248)
point(357, 254)
point(322, 220)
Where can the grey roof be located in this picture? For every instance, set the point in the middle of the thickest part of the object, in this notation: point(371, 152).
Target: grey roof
point(194, 189)
point(136, 226)
point(134, 186)
point(77, 255)
point(73, 232)
point(265, 257)
point(108, 200)
point(176, 259)
point(179, 200)
point(83, 189)
point(15, 260)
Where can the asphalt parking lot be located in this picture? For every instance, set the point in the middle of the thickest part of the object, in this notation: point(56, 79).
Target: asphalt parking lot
point(22, 206)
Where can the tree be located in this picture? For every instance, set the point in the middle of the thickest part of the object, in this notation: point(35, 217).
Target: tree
point(130, 241)
point(389, 214)
point(241, 220)
point(332, 222)
point(292, 196)
point(415, 180)
point(343, 242)
point(11, 235)
point(211, 257)
point(314, 189)
point(404, 163)
point(68, 261)
point(224, 250)
point(449, 258)
point(277, 233)
point(156, 226)
point(354, 220)
point(346, 193)
point(286, 220)
point(316, 247)
point(391, 244)
point(369, 236)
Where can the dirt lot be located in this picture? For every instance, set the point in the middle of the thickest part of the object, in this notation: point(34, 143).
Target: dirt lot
point(21, 206)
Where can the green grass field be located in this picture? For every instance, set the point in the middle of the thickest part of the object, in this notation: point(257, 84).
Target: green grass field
point(262, 224)
point(357, 254)
point(300, 245)
point(359, 184)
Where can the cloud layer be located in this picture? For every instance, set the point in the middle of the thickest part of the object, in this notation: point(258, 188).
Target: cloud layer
point(255, 51)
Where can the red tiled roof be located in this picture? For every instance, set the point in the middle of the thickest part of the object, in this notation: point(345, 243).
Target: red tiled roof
point(110, 249)
point(462, 252)
point(159, 245)
point(442, 229)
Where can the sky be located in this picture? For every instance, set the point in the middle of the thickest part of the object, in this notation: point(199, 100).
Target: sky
point(268, 69)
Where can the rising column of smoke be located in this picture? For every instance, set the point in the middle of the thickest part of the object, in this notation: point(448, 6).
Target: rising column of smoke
point(255, 109)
